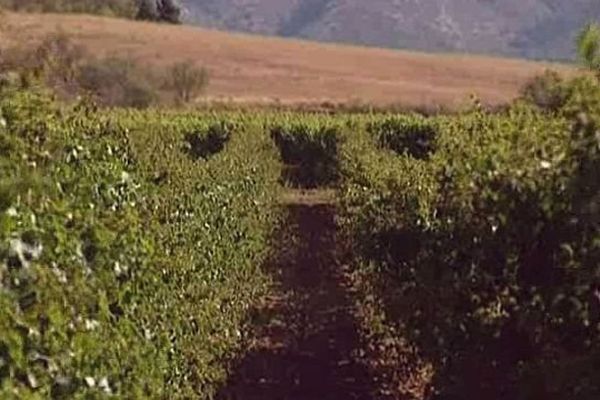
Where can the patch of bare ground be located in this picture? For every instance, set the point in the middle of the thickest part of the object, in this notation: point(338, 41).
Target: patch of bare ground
point(400, 371)
point(308, 197)
point(319, 334)
point(305, 343)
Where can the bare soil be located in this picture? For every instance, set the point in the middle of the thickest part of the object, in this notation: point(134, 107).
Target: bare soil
point(306, 343)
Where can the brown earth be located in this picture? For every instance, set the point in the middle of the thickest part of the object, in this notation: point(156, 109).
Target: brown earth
point(314, 337)
point(254, 69)
point(305, 343)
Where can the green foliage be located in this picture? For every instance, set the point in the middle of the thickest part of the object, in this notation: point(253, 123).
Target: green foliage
point(588, 47)
point(487, 252)
point(412, 135)
point(209, 141)
point(308, 146)
point(126, 266)
point(131, 241)
point(548, 91)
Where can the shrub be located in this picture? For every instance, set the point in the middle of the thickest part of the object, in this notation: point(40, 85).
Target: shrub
point(187, 81)
point(55, 61)
point(118, 82)
point(159, 10)
point(484, 253)
point(309, 150)
point(169, 11)
point(67, 69)
point(59, 61)
point(547, 91)
point(147, 10)
point(206, 143)
point(588, 47)
point(126, 266)
point(412, 135)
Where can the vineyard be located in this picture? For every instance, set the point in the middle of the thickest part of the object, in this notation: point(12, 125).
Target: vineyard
point(149, 254)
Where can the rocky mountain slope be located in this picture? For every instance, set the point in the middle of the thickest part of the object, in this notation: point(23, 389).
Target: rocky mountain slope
point(523, 28)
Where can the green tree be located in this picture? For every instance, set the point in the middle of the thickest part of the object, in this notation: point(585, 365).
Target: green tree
point(147, 10)
point(588, 47)
point(169, 11)
point(159, 10)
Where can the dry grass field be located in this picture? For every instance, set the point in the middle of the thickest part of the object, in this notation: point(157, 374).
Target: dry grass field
point(254, 69)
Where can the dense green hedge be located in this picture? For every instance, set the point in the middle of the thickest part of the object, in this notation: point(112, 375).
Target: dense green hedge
point(308, 146)
point(126, 265)
point(488, 252)
point(405, 134)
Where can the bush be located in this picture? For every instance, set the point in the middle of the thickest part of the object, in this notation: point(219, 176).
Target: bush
point(485, 253)
point(159, 10)
point(119, 82)
point(412, 135)
point(187, 81)
point(126, 266)
point(67, 69)
point(548, 91)
point(55, 62)
point(210, 141)
point(308, 147)
point(588, 47)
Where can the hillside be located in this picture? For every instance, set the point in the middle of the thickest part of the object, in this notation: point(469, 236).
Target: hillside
point(523, 28)
point(259, 69)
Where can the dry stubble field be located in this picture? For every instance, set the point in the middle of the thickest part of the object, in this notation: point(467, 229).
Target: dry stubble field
point(254, 69)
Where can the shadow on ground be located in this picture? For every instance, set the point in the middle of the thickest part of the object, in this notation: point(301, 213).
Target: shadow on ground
point(306, 339)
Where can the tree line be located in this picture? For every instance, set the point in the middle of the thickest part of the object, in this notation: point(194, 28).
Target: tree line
point(150, 10)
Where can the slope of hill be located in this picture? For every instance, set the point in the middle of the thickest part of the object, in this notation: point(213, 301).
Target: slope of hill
point(524, 28)
point(259, 69)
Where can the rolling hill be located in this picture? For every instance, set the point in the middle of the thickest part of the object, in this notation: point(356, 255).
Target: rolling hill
point(256, 69)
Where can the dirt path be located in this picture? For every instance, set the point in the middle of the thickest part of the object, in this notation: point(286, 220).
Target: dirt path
point(306, 340)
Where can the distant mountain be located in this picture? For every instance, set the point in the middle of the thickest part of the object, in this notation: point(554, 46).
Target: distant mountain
point(524, 28)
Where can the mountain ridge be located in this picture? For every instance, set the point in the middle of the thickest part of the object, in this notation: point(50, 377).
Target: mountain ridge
point(535, 29)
